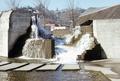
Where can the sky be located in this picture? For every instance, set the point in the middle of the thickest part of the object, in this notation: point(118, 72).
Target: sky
point(62, 4)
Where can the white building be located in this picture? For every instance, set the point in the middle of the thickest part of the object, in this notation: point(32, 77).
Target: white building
point(105, 26)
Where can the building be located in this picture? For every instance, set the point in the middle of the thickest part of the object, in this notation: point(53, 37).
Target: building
point(61, 31)
point(104, 24)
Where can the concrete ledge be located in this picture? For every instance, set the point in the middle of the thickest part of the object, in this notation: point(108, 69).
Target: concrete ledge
point(70, 67)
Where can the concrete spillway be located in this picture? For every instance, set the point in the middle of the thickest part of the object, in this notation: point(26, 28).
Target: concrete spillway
point(68, 54)
point(38, 48)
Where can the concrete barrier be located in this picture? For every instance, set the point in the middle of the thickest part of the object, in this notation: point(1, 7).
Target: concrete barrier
point(13, 24)
point(107, 33)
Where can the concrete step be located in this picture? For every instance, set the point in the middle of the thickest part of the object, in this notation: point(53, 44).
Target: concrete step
point(11, 66)
point(49, 67)
point(4, 63)
point(70, 67)
point(29, 67)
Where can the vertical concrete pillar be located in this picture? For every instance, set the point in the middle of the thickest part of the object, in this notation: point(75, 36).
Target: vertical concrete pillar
point(4, 28)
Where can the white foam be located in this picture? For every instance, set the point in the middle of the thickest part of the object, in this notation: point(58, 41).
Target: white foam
point(68, 57)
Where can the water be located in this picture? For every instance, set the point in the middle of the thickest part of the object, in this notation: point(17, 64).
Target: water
point(63, 53)
point(34, 33)
point(69, 53)
point(34, 47)
point(42, 32)
point(38, 31)
point(50, 76)
point(59, 41)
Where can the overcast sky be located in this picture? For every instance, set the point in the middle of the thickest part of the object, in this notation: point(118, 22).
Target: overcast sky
point(61, 4)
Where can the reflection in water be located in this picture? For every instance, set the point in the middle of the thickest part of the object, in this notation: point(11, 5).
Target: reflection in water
point(4, 76)
point(40, 76)
point(51, 76)
point(17, 76)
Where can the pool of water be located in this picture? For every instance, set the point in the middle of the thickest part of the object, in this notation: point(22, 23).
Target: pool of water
point(47, 75)
point(51, 76)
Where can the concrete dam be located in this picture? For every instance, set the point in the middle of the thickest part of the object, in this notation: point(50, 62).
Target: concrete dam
point(15, 28)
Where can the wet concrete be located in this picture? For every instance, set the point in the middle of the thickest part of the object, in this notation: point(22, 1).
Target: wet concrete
point(113, 66)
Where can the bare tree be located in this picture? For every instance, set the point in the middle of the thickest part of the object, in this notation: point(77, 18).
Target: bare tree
point(72, 14)
point(45, 3)
point(13, 4)
point(42, 6)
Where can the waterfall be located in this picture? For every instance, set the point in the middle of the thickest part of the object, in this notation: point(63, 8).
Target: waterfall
point(38, 31)
point(69, 53)
point(35, 47)
point(34, 28)
point(42, 32)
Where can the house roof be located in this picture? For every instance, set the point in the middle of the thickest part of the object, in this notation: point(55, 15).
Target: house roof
point(90, 11)
point(88, 22)
point(112, 12)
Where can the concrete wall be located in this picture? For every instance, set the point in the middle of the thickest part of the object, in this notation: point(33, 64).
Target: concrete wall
point(107, 33)
point(13, 24)
point(19, 23)
point(87, 29)
point(4, 28)
point(61, 32)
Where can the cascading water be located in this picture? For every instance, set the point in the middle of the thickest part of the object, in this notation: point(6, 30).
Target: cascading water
point(69, 53)
point(35, 46)
point(34, 28)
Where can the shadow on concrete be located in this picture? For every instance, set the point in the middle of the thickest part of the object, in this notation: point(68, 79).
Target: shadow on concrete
point(18, 45)
point(97, 53)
